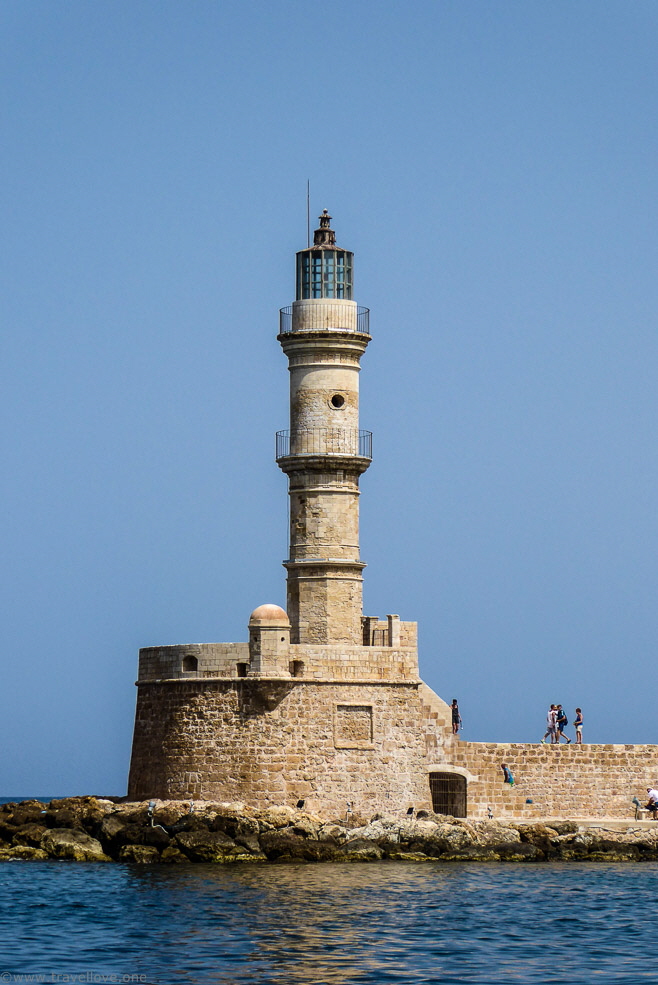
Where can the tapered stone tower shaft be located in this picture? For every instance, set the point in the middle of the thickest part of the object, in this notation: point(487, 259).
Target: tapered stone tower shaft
point(324, 334)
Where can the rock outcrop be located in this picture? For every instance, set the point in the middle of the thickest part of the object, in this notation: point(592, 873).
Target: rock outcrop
point(91, 829)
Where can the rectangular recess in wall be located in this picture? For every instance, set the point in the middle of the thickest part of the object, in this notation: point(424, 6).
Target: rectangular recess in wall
point(353, 726)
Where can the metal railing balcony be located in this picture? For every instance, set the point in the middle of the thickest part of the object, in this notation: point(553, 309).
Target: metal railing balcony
point(324, 441)
point(329, 319)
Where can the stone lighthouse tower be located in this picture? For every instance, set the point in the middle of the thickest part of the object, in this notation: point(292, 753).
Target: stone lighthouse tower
point(324, 334)
point(320, 704)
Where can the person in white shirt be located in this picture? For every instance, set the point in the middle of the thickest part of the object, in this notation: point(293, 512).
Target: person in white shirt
point(652, 802)
point(550, 724)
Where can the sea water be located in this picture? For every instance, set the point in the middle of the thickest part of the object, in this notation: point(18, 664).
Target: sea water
point(335, 924)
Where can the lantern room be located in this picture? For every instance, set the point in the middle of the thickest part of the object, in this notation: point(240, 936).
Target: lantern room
point(324, 270)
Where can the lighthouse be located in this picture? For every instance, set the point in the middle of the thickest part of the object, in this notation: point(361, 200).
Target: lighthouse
point(322, 707)
point(324, 333)
point(320, 704)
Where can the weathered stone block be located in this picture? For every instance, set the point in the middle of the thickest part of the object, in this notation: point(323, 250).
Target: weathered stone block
point(206, 846)
point(72, 844)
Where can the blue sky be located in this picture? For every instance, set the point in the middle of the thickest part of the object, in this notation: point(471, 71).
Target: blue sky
point(493, 167)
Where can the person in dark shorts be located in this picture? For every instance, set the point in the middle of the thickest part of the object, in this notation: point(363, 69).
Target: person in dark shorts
point(456, 717)
point(560, 721)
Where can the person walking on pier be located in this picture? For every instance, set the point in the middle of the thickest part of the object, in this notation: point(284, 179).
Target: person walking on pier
point(560, 721)
point(579, 726)
point(550, 724)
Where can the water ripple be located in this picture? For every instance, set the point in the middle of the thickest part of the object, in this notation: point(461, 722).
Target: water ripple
point(332, 924)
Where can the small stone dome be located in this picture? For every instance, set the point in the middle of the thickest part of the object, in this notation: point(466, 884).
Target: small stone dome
point(269, 613)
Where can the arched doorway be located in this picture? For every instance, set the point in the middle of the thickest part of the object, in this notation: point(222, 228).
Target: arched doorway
point(448, 792)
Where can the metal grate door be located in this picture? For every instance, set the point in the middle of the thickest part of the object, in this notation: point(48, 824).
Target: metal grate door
point(448, 794)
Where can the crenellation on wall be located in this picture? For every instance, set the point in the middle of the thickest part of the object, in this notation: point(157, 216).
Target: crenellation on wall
point(389, 632)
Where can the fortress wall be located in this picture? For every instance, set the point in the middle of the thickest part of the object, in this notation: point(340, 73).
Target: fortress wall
point(437, 716)
point(275, 742)
point(377, 632)
point(409, 634)
point(216, 659)
point(562, 781)
point(356, 662)
point(320, 661)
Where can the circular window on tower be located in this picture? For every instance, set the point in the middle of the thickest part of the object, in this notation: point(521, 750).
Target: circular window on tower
point(338, 401)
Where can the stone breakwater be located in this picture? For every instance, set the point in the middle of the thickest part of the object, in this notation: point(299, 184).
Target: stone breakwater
point(91, 829)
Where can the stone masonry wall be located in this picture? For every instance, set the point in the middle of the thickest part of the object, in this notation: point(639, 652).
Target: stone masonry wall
point(562, 781)
point(324, 602)
point(213, 659)
point(356, 662)
point(275, 742)
point(378, 632)
point(320, 662)
point(367, 743)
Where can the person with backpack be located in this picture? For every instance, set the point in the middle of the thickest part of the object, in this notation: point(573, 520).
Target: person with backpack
point(560, 721)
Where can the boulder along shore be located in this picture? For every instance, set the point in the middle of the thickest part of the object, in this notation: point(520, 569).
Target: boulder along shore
point(94, 829)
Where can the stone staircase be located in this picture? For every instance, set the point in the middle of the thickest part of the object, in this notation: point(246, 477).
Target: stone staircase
point(436, 717)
